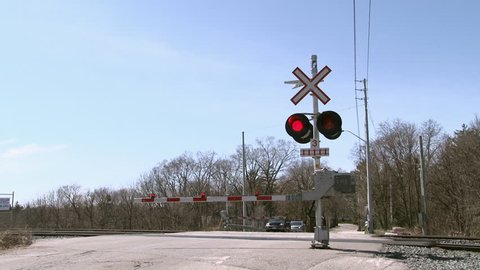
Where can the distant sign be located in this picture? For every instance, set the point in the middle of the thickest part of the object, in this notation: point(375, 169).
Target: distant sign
point(4, 204)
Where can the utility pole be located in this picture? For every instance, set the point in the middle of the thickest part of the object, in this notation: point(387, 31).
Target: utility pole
point(367, 160)
point(13, 205)
point(244, 167)
point(422, 189)
point(391, 200)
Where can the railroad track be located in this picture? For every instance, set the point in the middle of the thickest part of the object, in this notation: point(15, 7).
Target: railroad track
point(444, 242)
point(89, 232)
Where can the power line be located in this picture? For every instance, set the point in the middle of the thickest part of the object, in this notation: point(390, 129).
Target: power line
point(368, 47)
point(355, 68)
point(355, 46)
point(355, 60)
point(368, 35)
point(370, 221)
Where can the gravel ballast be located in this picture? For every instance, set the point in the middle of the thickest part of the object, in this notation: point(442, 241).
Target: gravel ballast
point(423, 258)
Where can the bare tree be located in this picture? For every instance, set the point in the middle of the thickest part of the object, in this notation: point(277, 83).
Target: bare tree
point(202, 173)
point(72, 195)
point(89, 202)
point(299, 178)
point(178, 173)
point(455, 181)
point(126, 207)
point(273, 158)
point(104, 208)
point(394, 170)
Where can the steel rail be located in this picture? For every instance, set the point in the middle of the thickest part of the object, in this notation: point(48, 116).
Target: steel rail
point(438, 241)
point(87, 232)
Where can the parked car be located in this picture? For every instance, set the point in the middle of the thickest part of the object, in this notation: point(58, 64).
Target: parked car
point(297, 226)
point(278, 224)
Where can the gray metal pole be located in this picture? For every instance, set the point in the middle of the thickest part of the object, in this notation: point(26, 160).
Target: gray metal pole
point(13, 205)
point(422, 188)
point(391, 201)
point(244, 162)
point(316, 135)
point(321, 235)
point(367, 160)
point(226, 194)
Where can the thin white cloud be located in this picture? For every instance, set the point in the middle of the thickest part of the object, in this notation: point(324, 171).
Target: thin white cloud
point(28, 150)
point(7, 142)
point(155, 49)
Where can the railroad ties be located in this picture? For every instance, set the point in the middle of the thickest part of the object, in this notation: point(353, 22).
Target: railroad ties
point(444, 242)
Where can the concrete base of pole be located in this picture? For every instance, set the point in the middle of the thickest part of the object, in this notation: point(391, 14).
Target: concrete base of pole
point(321, 237)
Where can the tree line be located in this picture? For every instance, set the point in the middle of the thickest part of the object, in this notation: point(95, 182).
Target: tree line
point(451, 170)
point(272, 166)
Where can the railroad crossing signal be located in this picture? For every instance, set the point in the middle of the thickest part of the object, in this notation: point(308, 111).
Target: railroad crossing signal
point(329, 123)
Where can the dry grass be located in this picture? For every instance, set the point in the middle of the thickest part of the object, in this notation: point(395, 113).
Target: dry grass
point(11, 239)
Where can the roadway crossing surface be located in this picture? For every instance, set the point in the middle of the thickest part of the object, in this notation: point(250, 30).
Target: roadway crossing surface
point(349, 249)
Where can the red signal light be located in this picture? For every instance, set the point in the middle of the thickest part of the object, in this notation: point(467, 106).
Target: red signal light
point(298, 126)
point(329, 123)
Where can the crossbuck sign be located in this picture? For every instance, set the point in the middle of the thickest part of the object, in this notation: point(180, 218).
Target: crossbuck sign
point(311, 85)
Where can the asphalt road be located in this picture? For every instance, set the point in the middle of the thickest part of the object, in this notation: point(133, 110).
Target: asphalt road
point(203, 250)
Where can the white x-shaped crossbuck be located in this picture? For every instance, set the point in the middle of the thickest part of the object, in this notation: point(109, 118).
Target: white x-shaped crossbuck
point(311, 85)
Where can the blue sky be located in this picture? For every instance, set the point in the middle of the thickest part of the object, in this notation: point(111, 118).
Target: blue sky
point(96, 93)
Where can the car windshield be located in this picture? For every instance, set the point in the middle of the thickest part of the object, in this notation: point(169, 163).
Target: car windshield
point(296, 222)
point(275, 220)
